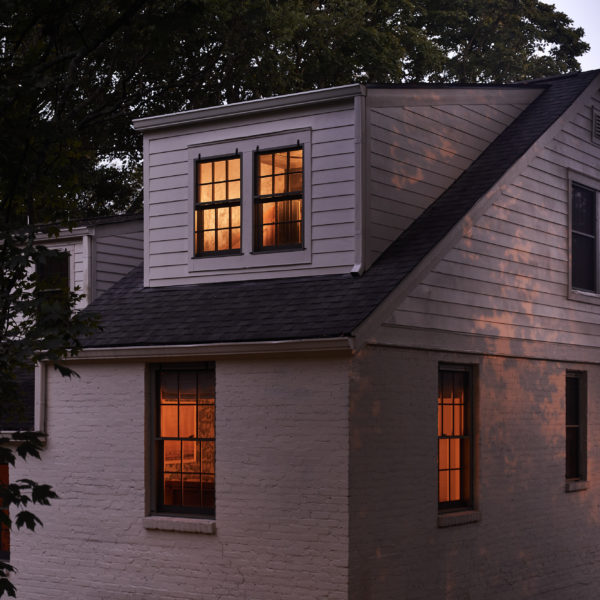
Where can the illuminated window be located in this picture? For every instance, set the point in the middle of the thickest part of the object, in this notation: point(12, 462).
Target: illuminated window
point(217, 215)
point(184, 442)
point(575, 435)
point(4, 529)
point(278, 199)
point(584, 239)
point(455, 438)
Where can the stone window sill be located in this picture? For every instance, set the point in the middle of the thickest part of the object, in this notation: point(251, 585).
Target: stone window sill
point(458, 518)
point(575, 485)
point(206, 526)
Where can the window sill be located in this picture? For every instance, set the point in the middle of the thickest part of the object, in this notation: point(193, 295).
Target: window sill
point(206, 526)
point(575, 485)
point(458, 518)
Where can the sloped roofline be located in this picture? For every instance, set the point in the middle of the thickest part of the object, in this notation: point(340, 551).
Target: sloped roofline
point(328, 306)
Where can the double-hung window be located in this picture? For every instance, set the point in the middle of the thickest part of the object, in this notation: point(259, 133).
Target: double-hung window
point(217, 214)
point(455, 437)
point(251, 203)
point(584, 239)
point(183, 451)
point(278, 200)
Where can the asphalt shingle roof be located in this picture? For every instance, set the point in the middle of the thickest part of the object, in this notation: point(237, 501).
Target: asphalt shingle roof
point(318, 306)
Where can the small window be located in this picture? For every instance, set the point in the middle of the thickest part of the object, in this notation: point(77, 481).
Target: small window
point(4, 529)
point(278, 199)
point(52, 269)
point(575, 435)
point(217, 214)
point(584, 243)
point(455, 438)
point(184, 440)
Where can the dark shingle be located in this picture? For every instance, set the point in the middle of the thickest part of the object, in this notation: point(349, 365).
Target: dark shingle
point(318, 306)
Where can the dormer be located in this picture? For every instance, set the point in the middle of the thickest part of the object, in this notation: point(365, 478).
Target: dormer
point(313, 183)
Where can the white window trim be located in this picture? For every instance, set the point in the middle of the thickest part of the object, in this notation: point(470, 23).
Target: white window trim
point(246, 147)
point(576, 178)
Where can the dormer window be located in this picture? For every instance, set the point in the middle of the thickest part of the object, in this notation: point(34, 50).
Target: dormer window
point(217, 218)
point(278, 200)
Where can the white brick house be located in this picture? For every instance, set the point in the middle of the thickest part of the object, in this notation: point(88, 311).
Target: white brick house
point(360, 360)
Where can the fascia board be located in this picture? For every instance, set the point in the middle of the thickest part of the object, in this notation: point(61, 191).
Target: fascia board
point(365, 331)
point(249, 107)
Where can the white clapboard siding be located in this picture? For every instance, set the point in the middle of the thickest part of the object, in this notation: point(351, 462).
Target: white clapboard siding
point(331, 197)
point(507, 277)
point(417, 151)
point(118, 248)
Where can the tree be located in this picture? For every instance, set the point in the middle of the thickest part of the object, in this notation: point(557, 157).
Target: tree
point(73, 75)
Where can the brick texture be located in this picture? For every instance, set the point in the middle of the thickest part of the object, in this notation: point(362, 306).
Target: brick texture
point(282, 506)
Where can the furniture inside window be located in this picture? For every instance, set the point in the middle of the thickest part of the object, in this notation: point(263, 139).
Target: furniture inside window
point(184, 440)
point(217, 214)
point(455, 437)
point(278, 199)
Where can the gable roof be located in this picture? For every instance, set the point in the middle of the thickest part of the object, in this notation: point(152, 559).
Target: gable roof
point(319, 306)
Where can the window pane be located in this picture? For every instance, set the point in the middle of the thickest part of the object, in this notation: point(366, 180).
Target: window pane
point(235, 216)
point(296, 160)
point(444, 454)
point(205, 175)
point(206, 421)
point(280, 162)
point(268, 237)
point(584, 210)
point(220, 192)
point(168, 388)
point(208, 457)
point(168, 420)
point(268, 212)
point(209, 241)
point(235, 238)
point(223, 217)
point(220, 170)
point(233, 190)
point(266, 186)
point(572, 401)
point(187, 421)
point(455, 453)
point(447, 416)
point(454, 485)
point(187, 386)
point(295, 182)
point(206, 387)
point(233, 165)
point(265, 164)
point(208, 490)
point(572, 452)
point(172, 456)
point(223, 239)
point(209, 218)
point(206, 193)
point(583, 266)
point(279, 184)
point(172, 489)
point(191, 490)
point(443, 486)
point(190, 457)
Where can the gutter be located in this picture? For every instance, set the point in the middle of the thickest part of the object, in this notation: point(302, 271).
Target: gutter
point(179, 351)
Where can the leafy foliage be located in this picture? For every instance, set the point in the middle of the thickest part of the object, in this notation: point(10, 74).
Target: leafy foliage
point(74, 73)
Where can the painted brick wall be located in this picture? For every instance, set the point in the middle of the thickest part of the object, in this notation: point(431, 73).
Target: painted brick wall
point(533, 539)
point(282, 469)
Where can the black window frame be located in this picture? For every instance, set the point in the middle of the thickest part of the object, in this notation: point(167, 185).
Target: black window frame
point(466, 439)
point(157, 504)
point(201, 207)
point(260, 199)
